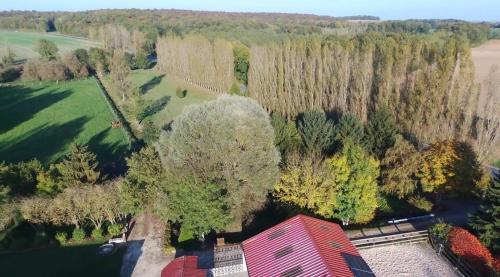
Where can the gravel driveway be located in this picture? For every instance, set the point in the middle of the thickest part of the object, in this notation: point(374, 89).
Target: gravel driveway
point(415, 260)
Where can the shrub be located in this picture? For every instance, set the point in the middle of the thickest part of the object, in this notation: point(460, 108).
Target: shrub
point(235, 89)
point(469, 247)
point(78, 234)
point(115, 229)
point(440, 231)
point(97, 234)
point(181, 93)
point(150, 133)
point(141, 61)
point(421, 203)
point(61, 237)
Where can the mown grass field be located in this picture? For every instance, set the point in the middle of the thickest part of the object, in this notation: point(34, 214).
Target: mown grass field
point(23, 43)
point(41, 119)
point(154, 86)
point(75, 260)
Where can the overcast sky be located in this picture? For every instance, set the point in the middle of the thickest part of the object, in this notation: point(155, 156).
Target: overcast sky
point(473, 10)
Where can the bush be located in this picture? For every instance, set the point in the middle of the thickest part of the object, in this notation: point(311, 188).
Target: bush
point(142, 61)
point(61, 237)
point(97, 234)
point(115, 230)
point(440, 231)
point(469, 247)
point(150, 133)
point(78, 234)
point(181, 93)
point(50, 70)
point(421, 203)
point(235, 89)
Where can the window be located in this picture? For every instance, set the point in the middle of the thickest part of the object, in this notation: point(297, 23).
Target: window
point(292, 272)
point(276, 234)
point(283, 251)
point(334, 244)
point(325, 228)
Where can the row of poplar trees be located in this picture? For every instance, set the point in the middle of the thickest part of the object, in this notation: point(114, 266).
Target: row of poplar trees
point(428, 84)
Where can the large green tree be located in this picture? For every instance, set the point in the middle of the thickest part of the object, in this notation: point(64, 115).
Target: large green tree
point(47, 49)
point(199, 206)
point(316, 131)
point(229, 141)
point(354, 174)
point(144, 180)
point(381, 132)
point(486, 221)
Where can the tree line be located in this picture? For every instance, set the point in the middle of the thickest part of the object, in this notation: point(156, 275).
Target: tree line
point(344, 169)
point(428, 86)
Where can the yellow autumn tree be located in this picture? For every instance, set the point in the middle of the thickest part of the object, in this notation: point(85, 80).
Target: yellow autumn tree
point(304, 185)
point(437, 167)
point(451, 165)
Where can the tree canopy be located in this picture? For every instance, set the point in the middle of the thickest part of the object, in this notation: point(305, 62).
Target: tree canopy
point(229, 141)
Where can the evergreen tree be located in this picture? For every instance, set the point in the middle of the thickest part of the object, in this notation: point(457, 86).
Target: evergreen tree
point(47, 49)
point(79, 167)
point(287, 137)
point(349, 128)
point(380, 132)
point(486, 222)
point(316, 131)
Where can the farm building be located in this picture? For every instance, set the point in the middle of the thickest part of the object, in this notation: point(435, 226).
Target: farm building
point(183, 267)
point(303, 246)
point(299, 246)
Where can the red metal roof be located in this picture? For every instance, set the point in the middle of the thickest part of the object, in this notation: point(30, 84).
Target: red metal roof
point(185, 266)
point(303, 246)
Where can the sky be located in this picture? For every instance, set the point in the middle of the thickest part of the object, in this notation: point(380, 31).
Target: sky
point(472, 10)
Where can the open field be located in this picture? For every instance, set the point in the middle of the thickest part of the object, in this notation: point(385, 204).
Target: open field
point(23, 43)
point(485, 56)
point(41, 119)
point(407, 260)
point(154, 86)
point(75, 260)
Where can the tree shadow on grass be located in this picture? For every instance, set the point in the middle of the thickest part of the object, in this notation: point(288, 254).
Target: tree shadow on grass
point(149, 85)
point(19, 104)
point(155, 107)
point(111, 156)
point(44, 142)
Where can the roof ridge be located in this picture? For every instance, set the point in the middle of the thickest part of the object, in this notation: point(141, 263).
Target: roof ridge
point(314, 243)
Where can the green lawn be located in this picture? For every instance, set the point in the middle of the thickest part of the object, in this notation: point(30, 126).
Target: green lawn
point(77, 260)
point(41, 119)
point(23, 43)
point(155, 86)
